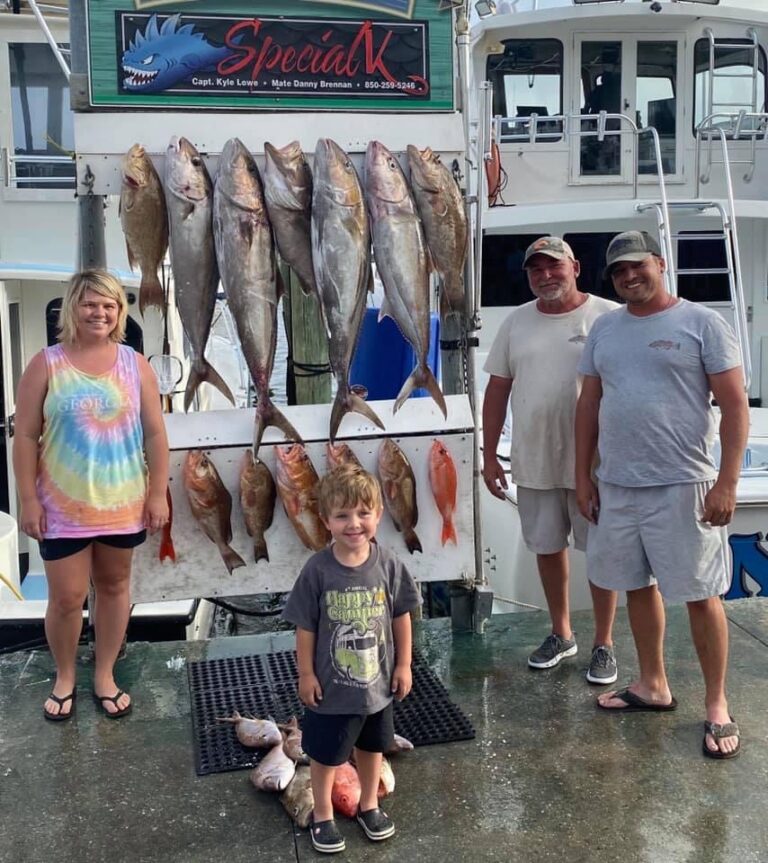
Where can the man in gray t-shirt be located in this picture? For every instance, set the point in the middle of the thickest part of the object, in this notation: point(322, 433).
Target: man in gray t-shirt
point(650, 370)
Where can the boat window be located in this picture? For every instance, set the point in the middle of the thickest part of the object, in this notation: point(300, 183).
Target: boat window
point(528, 79)
point(43, 136)
point(600, 91)
point(504, 282)
point(703, 255)
point(656, 104)
point(734, 86)
point(590, 250)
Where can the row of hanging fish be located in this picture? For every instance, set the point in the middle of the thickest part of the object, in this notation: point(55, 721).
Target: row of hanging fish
point(285, 767)
point(295, 482)
point(323, 224)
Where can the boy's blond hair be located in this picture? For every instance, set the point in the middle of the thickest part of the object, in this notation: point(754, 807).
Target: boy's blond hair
point(346, 486)
point(100, 282)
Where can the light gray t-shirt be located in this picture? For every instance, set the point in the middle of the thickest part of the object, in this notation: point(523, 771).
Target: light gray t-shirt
point(539, 352)
point(656, 424)
point(351, 609)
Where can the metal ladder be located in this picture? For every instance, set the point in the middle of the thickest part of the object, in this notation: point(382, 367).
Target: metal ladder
point(726, 232)
point(721, 45)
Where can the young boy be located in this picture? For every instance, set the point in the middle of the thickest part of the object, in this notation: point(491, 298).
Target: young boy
point(351, 605)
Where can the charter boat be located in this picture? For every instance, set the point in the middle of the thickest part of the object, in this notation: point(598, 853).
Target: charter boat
point(596, 117)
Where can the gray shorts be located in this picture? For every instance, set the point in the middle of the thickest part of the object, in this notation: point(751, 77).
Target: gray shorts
point(657, 531)
point(547, 517)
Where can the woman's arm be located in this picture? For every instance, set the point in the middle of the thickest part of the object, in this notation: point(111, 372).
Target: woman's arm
point(33, 387)
point(155, 447)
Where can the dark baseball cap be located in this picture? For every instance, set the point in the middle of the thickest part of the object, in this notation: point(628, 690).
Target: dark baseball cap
point(553, 247)
point(631, 246)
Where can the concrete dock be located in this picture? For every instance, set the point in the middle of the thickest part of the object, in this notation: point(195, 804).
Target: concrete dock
point(548, 777)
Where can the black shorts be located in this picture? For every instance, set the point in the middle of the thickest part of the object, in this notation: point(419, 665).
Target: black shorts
point(56, 549)
point(328, 738)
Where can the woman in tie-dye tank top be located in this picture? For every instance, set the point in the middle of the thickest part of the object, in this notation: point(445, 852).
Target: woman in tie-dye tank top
point(90, 456)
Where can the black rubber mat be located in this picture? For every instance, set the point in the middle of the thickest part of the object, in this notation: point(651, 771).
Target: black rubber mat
point(265, 685)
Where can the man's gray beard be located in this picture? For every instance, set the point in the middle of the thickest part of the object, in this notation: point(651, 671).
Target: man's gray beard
point(554, 296)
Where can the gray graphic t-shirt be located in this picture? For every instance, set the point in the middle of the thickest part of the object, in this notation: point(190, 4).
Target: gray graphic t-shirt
point(656, 424)
point(351, 611)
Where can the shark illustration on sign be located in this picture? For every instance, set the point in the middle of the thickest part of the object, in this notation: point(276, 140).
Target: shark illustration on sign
point(164, 55)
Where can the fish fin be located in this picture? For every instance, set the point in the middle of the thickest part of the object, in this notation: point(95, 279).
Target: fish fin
point(166, 549)
point(151, 292)
point(449, 532)
point(204, 371)
point(231, 558)
point(260, 551)
point(412, 541)
point(347, 402)
point(268, 415)
point(421, 377)
point(386, 310)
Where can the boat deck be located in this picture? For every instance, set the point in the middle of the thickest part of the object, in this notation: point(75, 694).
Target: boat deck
point(547, 778)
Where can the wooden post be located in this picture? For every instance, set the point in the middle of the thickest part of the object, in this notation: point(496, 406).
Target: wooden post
point(309, 375)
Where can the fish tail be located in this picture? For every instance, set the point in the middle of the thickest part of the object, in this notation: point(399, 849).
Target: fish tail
point(421, 376)
point(412, 541)
point(204, 371)
point(260, 551)
point(347, 402)
point(449, 532)
point(231, 558)
point(268, 415)
point(166, 547)
point(151, 292)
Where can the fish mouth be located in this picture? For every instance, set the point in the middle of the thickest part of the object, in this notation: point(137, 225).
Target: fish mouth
point(136, 78)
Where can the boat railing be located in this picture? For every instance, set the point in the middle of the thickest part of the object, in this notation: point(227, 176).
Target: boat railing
point(745, 126)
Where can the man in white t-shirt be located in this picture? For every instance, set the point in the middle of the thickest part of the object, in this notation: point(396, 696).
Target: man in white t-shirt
point(534, 358)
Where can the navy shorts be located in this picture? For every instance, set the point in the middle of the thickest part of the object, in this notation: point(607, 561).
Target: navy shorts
point(328, 738)
point(56, 549)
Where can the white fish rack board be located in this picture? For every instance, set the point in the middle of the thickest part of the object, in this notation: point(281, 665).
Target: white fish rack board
point(225, 435)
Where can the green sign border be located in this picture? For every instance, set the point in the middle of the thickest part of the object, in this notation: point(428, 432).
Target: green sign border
point(103, 60)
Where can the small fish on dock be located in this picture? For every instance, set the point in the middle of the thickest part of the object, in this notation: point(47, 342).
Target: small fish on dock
point(386, 779)
point(345, 794)
point(298, 799)
point(252, 732)
point(275, 771)
point(400, 744)
point(292, 741)
point(211, 504)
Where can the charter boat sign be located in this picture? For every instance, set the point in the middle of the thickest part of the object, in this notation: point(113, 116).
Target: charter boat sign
point(295, 55)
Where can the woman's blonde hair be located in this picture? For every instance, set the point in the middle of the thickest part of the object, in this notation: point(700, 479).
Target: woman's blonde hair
point(100, 282)
point(347, 486)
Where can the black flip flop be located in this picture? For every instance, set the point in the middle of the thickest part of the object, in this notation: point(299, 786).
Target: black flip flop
point(718, 731)
point(61, 717)
point(124, 711)
point(634, 703)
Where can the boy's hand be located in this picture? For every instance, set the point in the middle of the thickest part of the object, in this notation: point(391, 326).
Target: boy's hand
point(310, 691)
point(402, 681)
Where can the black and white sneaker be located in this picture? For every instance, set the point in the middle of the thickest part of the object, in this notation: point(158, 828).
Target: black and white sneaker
point(552, 650)
point(602, 667)
point(376, 824)
point(325, 837)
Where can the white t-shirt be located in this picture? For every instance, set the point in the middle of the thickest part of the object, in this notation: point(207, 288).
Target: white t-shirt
point(540, 353)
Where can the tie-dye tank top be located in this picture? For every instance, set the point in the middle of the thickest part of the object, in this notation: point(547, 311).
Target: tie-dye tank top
point(91, 471)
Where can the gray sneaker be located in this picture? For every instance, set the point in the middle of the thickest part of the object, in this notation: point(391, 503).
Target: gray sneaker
point(552, 650)
point(602, 667)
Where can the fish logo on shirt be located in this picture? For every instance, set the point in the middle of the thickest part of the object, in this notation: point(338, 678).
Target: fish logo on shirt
point(578, 339)
point(665, 345)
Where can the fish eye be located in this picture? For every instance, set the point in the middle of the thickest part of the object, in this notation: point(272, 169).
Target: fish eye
point(391, 162)
point(148, 60)
point(196, 161)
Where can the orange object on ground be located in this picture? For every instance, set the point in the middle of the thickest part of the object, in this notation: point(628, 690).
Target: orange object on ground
point(345, 794)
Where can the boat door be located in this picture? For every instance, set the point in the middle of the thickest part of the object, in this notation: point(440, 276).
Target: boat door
point(8, 314)
point(638, 76)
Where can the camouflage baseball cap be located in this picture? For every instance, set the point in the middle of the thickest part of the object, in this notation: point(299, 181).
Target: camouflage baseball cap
point(553, 247)
point(631, 246)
